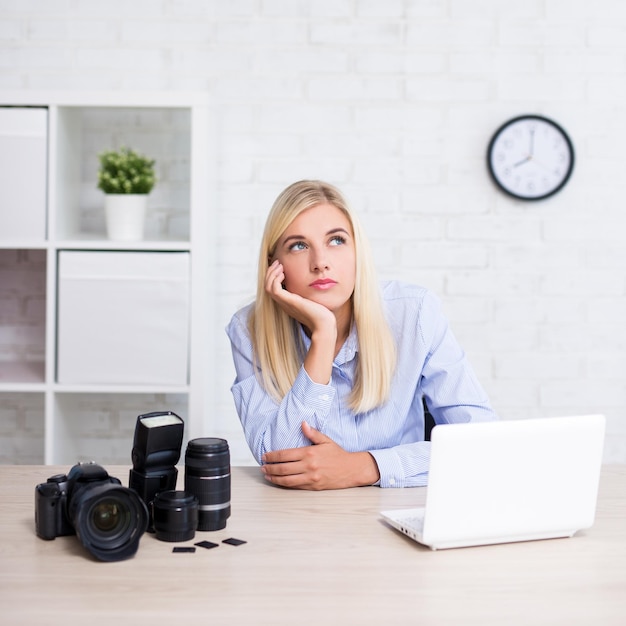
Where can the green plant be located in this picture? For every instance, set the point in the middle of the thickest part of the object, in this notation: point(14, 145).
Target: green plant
point(125, 171)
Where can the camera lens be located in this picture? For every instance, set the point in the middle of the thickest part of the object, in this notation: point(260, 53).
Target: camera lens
point(207, 476)
point(107, 516)
point(109, 520)
point(175, 515)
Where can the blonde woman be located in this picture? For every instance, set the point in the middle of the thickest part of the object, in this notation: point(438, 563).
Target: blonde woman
point(331, 366)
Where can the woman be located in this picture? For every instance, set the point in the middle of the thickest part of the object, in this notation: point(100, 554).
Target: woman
point(331, 367)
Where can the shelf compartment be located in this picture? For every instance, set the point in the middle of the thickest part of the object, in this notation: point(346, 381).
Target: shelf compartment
point(22, 428)
point(23, 173)
point(22, 315)
point(83, 132)
point(100, 427)
point(123, 318)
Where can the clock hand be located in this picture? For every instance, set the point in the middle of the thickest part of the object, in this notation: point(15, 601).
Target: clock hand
point(541, 164)
point(532, 142)
point(525, 160)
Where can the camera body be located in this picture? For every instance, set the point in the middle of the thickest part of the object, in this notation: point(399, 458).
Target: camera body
point(108, 518)
point(52, 498)
point(50, 508)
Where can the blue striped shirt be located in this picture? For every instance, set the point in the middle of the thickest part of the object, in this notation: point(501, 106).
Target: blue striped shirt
point(430, 364)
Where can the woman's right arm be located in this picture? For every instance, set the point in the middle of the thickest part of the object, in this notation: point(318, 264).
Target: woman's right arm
point(320, 321)
point(267, 424)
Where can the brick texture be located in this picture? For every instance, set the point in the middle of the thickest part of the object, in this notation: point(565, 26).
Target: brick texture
point(395, 102)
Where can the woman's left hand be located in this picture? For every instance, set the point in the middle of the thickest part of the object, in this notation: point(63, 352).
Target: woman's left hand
point(322, 465)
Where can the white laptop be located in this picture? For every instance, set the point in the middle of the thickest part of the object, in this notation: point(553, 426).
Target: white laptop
point(506, 481)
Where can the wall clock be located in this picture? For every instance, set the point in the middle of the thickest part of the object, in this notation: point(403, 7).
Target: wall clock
point(530, 157)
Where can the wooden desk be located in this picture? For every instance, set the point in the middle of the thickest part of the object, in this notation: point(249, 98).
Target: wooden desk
point(311, 558)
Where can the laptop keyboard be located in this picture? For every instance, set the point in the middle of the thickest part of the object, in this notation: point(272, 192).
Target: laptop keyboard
point(414, 521)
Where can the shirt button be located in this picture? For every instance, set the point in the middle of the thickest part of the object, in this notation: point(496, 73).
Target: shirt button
point(392, 481)
point(324, 397)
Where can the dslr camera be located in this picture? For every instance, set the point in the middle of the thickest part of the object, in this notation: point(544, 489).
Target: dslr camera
point(108, 518)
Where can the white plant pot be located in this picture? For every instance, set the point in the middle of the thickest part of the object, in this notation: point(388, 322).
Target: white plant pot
point(125, 216)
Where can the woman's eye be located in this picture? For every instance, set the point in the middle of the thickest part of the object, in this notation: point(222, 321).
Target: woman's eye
point(337, 240)
point(298, 245)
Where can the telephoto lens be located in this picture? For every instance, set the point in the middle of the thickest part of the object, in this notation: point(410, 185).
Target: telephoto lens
point(175, 515)
point(207, 476)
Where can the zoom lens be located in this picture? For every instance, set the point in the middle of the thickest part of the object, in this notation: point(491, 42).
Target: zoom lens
point(109, 520)
point(207, 476)
point(175, 515)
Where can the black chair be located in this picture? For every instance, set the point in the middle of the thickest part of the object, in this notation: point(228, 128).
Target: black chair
point(429, 421)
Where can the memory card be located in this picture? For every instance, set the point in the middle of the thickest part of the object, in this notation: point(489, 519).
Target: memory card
point(234, 542)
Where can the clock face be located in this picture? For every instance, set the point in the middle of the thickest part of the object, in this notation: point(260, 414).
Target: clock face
point(530, 157)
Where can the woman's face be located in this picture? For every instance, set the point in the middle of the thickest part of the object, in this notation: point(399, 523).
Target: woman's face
point(318, 257)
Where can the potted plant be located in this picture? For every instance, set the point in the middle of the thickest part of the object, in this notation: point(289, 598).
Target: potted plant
point(126, 177)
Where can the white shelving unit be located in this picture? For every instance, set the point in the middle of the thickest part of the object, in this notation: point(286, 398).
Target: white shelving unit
point(64, 422)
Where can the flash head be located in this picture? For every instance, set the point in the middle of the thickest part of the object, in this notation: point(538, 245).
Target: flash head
point(158, 440)
point(156, 450)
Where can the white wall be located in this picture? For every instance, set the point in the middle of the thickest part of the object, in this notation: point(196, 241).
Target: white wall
point(395, 101)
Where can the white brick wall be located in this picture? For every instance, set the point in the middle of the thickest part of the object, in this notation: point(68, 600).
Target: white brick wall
point(395, 102)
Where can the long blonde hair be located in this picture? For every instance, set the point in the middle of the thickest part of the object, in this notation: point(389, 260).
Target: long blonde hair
point(278, 350)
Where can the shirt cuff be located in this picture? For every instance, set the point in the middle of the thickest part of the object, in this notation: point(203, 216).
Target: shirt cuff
point(403, 466)
point(389, 468)
point(317, 397)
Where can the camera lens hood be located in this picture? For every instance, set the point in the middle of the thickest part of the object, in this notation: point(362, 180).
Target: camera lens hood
point(109, 521)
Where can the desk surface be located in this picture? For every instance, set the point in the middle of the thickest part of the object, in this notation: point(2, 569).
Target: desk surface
point(311, 558)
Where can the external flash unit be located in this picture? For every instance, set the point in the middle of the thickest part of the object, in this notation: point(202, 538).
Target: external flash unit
point(156, 450)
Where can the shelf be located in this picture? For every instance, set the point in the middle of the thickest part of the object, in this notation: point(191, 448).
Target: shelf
point(144, 99)
point(23, 244)
point(57, 330)
point(119, 389)
point(96, 243)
